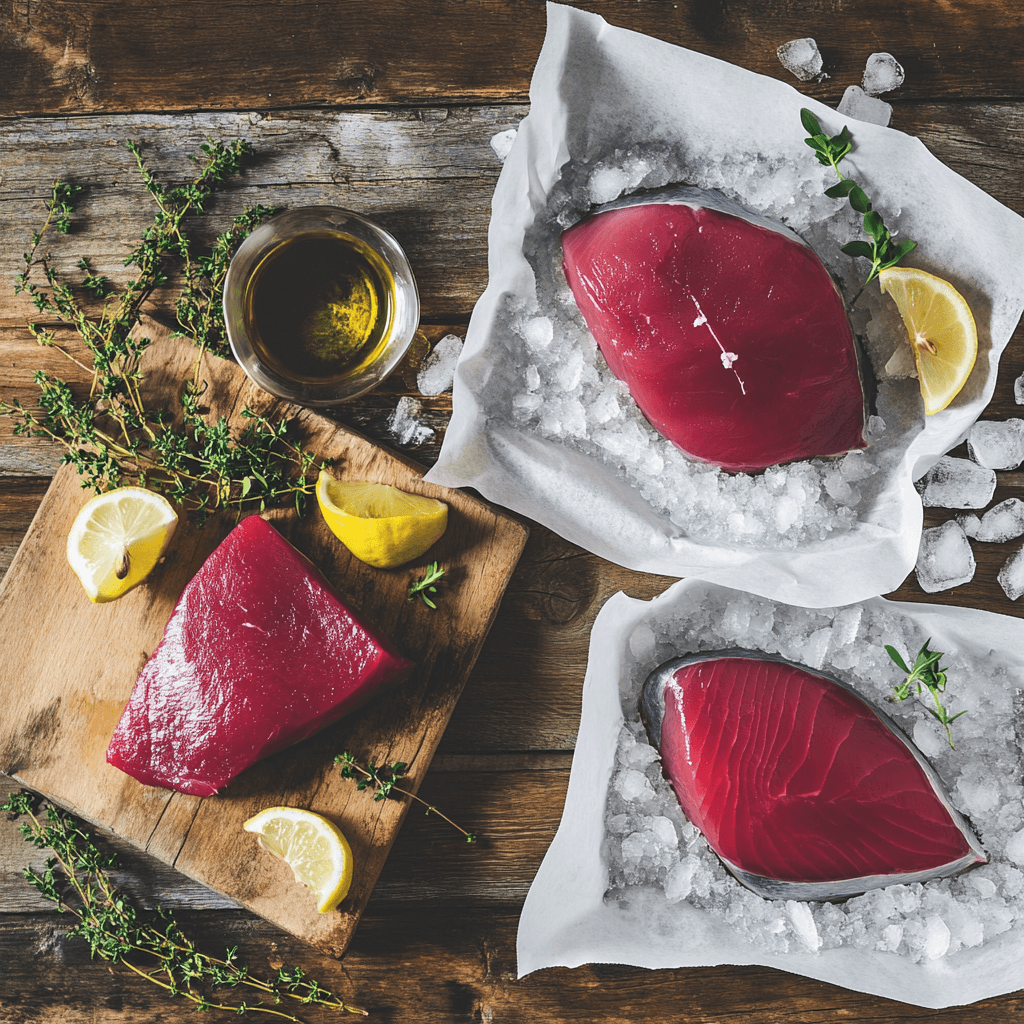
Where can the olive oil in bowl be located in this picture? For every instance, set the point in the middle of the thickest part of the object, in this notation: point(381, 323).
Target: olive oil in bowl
point(319, 306)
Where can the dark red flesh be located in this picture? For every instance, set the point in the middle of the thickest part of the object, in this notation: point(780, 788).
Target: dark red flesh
point(258, 654)
point(790, 776)
point(644, 274)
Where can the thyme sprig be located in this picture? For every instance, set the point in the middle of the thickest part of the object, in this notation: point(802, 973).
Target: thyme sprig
point(383, 780)
point(154, 948)
point(883, 250)
point(424, 585)
point(112, 437)
point(925, 675)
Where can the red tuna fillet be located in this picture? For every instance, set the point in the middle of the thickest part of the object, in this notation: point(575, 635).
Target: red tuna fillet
point(803, 788)
point(258, 654)
point(730, 334)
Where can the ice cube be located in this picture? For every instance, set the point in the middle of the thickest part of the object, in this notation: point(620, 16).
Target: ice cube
point(1000, 523)
point(997, 444)
point(857, 103)
point(927, 739)
point(1018, 390)
point(970, 524)
point(502, 143)
point(438, 370)
point(802, 58)
point(405, 424)
point(1011, 576)
point(957, 483)
point(944, 559)
point(882, 73)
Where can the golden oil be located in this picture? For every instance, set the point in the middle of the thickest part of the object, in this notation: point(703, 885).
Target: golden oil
point(319, 306)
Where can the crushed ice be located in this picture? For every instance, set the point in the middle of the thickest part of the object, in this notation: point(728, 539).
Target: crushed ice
point(649, 842)
point(558, 385)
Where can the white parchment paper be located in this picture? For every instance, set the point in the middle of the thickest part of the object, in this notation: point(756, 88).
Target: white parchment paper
point(567, 921)
point(597, 89)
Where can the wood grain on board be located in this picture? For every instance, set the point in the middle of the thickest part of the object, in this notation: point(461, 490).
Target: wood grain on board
point(116, 55)
point(83, 659)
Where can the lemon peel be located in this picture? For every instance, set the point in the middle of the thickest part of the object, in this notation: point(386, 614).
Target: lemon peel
point(380, 524)
point(941, 331)
point(312, 846)
point(117, 538)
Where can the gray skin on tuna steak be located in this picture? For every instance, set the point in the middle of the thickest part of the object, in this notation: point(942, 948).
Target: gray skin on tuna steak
point(804, 789)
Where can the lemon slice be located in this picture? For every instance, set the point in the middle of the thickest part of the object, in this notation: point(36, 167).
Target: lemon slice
point(117, 538)
point(378, 523)
point(313, 847)
point(942, 332)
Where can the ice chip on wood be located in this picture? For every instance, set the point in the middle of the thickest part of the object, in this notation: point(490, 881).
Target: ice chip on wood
point(857, 103)
point(438, 370)
point(1011, 576)
point(802, 58)
point(405, 423)
point(1000, 523)
point(956, 483)
point(502, 143)
point(997, 444)
point(779, 766)
point(944, 559)
point(882, 73)
point(1018, 390)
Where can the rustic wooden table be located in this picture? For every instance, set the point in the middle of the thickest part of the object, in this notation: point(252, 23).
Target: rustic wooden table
point(389, 109)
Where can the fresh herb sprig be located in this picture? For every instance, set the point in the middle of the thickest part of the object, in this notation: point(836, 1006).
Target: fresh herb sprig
point(383, 779)
point(925, 675)
point(883, 250)
point(424, 585)
point(112, 437)
point(154, 948)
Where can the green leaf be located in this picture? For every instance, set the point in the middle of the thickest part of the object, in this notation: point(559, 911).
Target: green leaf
point(897, 657)
point(810, 122)
point(874, 226)
point(858, 248)
point(859, 200)
point(842, 189)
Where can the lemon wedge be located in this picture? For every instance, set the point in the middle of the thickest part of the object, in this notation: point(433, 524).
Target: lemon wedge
point(943, 335)
point(378, 523)
point(117, 538)
point(313, 847)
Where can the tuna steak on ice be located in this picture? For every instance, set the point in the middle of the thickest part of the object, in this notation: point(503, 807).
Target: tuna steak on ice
point(726, 327)
point(258, 654)
point(804, 789)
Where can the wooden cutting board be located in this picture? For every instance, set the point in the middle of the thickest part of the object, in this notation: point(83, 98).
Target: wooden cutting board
point(67, 667)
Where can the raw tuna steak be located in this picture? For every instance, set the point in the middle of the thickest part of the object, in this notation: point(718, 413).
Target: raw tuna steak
point(803, 789)
point(258, 654)
point(726, 327)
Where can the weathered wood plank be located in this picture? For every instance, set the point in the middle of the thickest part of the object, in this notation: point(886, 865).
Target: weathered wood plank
point(513, 805)
point(112, 56)
point(425, 175)
point(435, 968)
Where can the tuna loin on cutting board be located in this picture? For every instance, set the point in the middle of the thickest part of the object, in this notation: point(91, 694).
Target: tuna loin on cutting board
point(804, 789)
point(726, 327)
point(258, 654)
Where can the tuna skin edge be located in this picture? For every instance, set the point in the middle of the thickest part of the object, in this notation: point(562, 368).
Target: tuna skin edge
point(831, 800)
point(258, 654)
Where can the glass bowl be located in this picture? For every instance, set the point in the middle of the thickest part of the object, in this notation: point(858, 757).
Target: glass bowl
point(258, 293)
